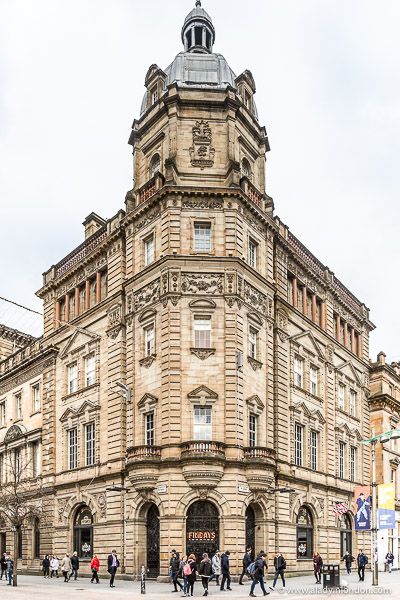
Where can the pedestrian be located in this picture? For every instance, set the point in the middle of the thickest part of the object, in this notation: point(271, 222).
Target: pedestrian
point(3, 566)
point(389, 558)
point(362, 561)
point(94, 566)
point(216, 566)
point(246, 562)
point(74, 566)
point(46, 566)
point(348, 559)
point(318, 562)
point(9, 569)
point(112, 566)
point(191, 577)
point(174, 570)
point(280, 566)
point(182, 566)
point(205, 571)
point(226, 575)
point(66, 567)
point(54, 565)
point(258, 576)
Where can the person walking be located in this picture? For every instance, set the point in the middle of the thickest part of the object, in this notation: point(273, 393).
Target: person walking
point(246, 562)
point(348, 559)
point(74, 566)
point(182, 566)
point(174, 564)
point(362, 561)
point(318, 562)
point(94, 567)
point(226, 575)
point(66, 567)
point(258, 576)
point(280, 566)
point(46, 566)
point(191, 577)
point(389, 558)
point(3, 566)
point(54, 565)
point(112, 566)
point(205, 571)
point(216, 566)
point(9, 569)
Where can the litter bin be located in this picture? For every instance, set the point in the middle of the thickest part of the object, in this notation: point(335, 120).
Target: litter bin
point(330, 576)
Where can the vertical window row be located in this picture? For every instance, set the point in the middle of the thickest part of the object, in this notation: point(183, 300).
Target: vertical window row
point(306, 301)
point(81, 298)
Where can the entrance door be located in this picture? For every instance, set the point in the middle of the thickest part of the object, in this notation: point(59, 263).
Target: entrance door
point(202, 529)
point(153, 541)
point(345, 535)
point(250, 518)
point(3, 545)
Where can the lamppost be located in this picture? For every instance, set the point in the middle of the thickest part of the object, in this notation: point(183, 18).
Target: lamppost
point(382, 439)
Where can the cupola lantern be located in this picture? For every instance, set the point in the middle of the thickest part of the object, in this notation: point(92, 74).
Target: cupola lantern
point(198, 33)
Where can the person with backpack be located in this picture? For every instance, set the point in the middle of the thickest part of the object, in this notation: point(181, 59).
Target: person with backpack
point(182, 565)
point(362, 561)
point(348, 559)
point(216, 567)
point(191, 577)
point(258, 574)
point(94, 567)
point(246, 562)
point(226, 575)
point(280, 566)
point(205, 571)
point(174, 570)
point(46, 566)
point(389, 558)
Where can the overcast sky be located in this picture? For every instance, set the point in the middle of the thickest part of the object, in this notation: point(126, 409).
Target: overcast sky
point(328, 90)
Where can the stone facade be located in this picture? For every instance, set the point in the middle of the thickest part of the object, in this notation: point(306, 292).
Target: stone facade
point(384, 402)
point(193, 340)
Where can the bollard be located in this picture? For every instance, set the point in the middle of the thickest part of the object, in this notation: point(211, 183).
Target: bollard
point(143, 581)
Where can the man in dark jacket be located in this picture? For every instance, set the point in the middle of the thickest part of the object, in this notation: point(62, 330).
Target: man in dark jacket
point(362, 560)
point(348, 559)
point(226, 576)
point(280, 566)
point(74, 566)
point(174, 564)
point(112, 566)
point(246, 562)
point(3, 565)
point(258, 576)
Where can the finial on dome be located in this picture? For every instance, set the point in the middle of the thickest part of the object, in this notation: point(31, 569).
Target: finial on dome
point(198, 2)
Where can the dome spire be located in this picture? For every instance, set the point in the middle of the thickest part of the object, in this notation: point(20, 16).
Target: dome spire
point(198, 33)
point(198, 2)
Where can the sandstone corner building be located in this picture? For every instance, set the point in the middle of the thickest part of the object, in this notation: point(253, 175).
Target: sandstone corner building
point(196, 356)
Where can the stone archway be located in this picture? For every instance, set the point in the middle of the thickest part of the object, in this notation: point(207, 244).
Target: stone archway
point(202, 529)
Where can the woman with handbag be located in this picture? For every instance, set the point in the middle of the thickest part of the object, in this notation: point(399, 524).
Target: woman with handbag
point(95, 565)
point(191, 576)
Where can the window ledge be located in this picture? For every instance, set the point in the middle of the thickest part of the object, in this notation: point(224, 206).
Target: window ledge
point(147, 360)
point(37, 412)
point(255, 364)
point(202, 353)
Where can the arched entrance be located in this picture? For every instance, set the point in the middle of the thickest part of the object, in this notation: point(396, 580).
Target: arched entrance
point(202, 529)
point(83, 533)
point(153, 541)
point(305, 533)
point(250, 520)
point(346, 535)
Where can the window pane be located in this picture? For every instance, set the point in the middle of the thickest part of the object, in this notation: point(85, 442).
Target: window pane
point(202, 424)
point(253, 430)
point(202, 236)
point(90, 370)
point(298, 458)
point(72, 378)
point(313, 450)
point(72, 449)
point(202, 332)
point(90, 444)
point(150, 429)
point(149, 250)
point(149, 340)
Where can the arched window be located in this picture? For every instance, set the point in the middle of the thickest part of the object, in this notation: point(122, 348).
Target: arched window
point(250, 521)
point(346, 544)
point(83, 533)
point(246, 168)
point(305, 533)
point(155, 165)
point(36, 538)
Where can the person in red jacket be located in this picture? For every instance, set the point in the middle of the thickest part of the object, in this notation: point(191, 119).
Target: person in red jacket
point(95, 565)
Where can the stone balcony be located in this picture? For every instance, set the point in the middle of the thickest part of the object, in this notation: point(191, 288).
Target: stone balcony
point(143, 453)
point(260, 464)
point(203, 463)
point(259, 454)
point(203, 449)
point(142, 465)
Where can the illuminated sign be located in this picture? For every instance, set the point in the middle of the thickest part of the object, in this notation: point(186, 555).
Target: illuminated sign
point(202, 535)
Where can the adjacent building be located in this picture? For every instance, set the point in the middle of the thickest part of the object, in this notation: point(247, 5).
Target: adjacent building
point(203, 377)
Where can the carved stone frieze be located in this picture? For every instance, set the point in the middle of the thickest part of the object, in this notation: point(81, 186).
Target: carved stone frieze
point(253, 221)
point(147, 361)
point(102, 504)
point(202, 353)
point(201, 152)
point(203, 203)
point(255, 364)
point(144, 297)
point(202, 283)
point(257, 300)
point(147, 218)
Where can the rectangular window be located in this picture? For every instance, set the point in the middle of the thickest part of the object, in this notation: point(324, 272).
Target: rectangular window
point(298, 449)
point(149, 340)
point(252, 430)
point(318, 313)
point(90, 374)
point(341, 459)
point(154, 95)
point(298, 371)
point(353, 403)
point(313, 380)
point(35, 391)
point(341, 393)
point(89, 444)
point(18, 406)
point(202, 237)
point(353, 462)
point(313, 450)
point(252, 253)
point(300, 298)
point(72, 448)
point(202, 332)
point(202, 423)
point(148, 250)
point(149, 429)
point(35, 458)
point(2, 413)
point(253, 339)
point(72, 378)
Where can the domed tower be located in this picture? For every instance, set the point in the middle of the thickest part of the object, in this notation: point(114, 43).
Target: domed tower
point(199, 308)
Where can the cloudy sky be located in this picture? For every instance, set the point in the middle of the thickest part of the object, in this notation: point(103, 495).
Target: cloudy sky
point(328, 91)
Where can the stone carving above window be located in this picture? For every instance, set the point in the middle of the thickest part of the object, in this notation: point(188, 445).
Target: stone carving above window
point(201, 152)
point(202, 353)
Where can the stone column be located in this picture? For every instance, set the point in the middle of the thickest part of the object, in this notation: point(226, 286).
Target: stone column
point(76, 301)
point(98, 287)
point(66, 307)
point(87, 294)
point(304, 300)
point(58, 312)
point(314, 308)
point(338, 328)
point(360, 346)
point(295, 292)
point(353, 340)
point(323, 315)
point(345, 336)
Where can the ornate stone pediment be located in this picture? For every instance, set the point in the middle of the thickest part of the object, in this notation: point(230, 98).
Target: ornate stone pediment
point(147, 402)
point(202, 395)
point(79, 338)
point(14, 432)
point(202, 353)
point(255, 404)
point(347, 368)
point(309, 342)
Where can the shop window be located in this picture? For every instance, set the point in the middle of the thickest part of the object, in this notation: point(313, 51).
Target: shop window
point(83, 533)
point(305, 533)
